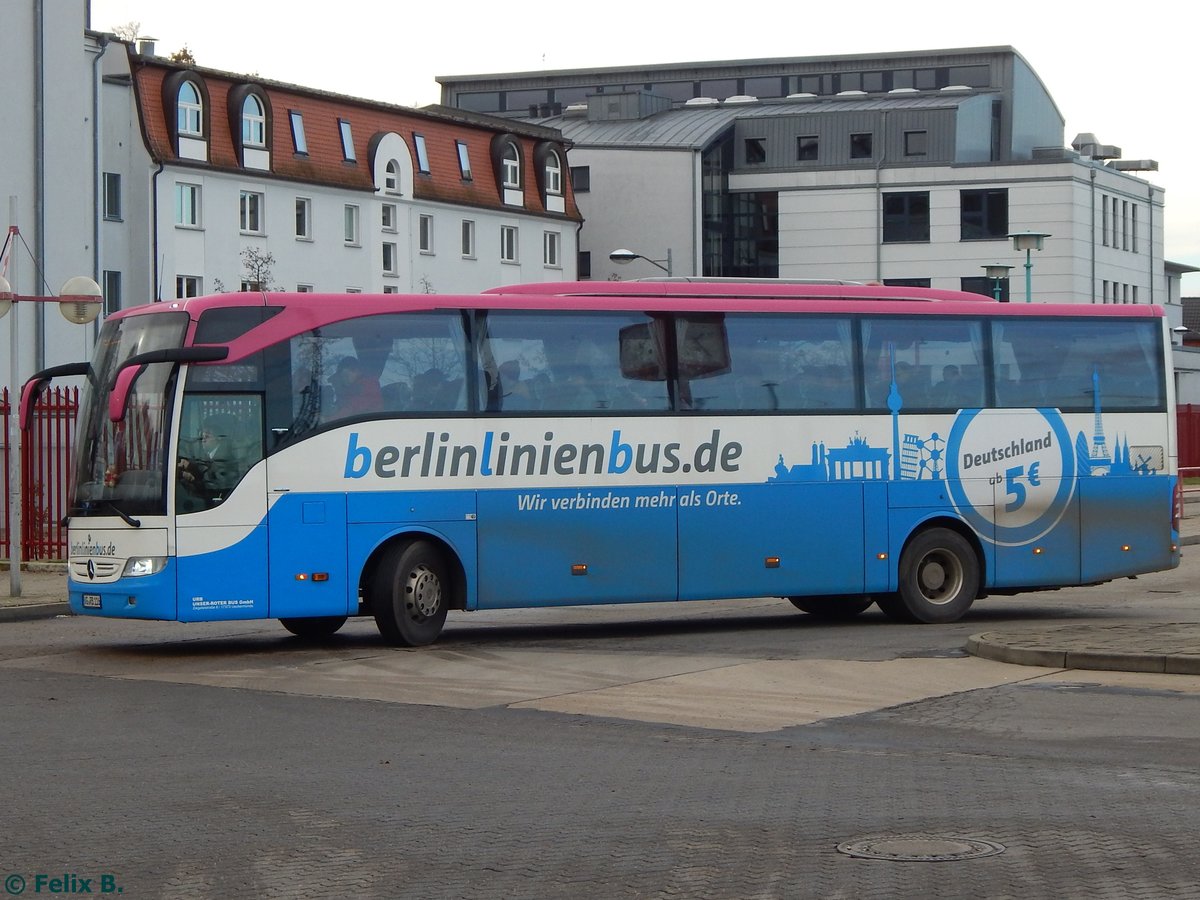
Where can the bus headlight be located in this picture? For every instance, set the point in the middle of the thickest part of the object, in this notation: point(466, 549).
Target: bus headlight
point(138, 566)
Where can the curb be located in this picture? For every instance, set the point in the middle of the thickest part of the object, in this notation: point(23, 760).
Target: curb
point(1096, 660)
point(30, 612)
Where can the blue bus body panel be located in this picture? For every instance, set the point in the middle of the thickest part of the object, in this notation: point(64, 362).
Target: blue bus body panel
point(239, 588)
point(727, 533)
point(308, 538)
point(1131, 511)
point(529, 540)
point(150, 597)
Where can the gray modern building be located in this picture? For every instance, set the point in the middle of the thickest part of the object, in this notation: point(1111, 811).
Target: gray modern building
point(905, 168)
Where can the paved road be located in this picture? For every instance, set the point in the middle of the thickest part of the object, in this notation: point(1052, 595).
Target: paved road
point(707, 750)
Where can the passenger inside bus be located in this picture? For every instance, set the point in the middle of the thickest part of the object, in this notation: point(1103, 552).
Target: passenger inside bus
point(356, 391)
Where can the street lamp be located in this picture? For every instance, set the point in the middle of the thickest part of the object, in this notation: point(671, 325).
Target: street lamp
point(997, 274)
point(624, 257)
point(79, 301)
point(1027, 241)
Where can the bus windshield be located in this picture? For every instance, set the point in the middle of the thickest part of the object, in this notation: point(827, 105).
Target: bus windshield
point(120, 465)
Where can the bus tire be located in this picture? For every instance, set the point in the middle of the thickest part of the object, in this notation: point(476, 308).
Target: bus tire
point(832, 608)
point(410, 594)
point(938, 579)
point(313, 627)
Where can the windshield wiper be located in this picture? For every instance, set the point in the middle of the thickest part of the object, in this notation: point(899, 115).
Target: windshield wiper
point(90, 505)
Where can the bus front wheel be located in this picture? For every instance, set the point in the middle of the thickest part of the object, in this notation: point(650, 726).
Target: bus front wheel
point(313, 627)
point(938, 579)
point(410, 595)
point(832, 608)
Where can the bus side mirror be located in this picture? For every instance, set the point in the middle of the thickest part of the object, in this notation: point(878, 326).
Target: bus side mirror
point(33, 387)
point(127, 374)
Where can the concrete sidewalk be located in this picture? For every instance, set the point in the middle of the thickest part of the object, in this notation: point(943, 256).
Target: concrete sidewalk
point(1169, 648)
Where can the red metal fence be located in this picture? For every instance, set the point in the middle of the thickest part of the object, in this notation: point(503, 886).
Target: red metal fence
point(46, 460)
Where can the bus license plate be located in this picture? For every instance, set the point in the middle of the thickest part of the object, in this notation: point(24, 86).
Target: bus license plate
point(91, 601)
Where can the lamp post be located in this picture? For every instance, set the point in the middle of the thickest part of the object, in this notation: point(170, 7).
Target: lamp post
point(79, 301)
point(624, 257)
point(1028, 241)
point(997, 274)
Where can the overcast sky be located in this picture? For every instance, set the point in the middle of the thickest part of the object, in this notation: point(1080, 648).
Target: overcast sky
point(1123, 71)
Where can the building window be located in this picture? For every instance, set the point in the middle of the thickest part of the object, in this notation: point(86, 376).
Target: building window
point(350, 224)
point(509, 245)
point(581, 179)
point(391, 177)
point(347, 141)
point(190, 121)
point(112, 196)
point(756, 151)
point(387, 217)
point(551, 246)
point(583, 264)
point(553, 174)
point(389, 259)
point(391, 289)
point(425, 234)
point(187, 286)
point(422, 154)
point(807, 146)
point(304, 289)
point(187, 205)
point(251, 286)
point(981, 284)
point(861, 146)
point(983, 214)
point(1124, 224)
point(908, 282)
point(254, 123)
point(1104, 230)
point(916, 143)
point(303, 218)
point(510, 166)
point(112, 291)
point(468, 239)
point(252, 212)
point(464, 160)
point(298, 140)
point(906, 217)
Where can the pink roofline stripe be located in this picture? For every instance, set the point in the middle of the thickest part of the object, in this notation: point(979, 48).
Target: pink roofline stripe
point(302, 312)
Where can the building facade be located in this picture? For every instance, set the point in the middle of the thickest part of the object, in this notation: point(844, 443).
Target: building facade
point(163, 180)
point(903, 168)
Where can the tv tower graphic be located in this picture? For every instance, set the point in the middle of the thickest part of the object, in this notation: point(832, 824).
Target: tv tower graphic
point(1100, 463)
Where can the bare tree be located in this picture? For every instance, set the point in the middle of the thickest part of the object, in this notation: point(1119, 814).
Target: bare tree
point(258, 265)
point(128, 32)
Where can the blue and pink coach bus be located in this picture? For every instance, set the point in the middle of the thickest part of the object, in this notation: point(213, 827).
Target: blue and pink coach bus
point(310, 457)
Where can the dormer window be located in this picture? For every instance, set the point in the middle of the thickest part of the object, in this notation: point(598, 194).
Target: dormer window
point(250, 125)
point(553, 174)
point(549, 162)
point(188, 114)
point(254, 123)
point(511, 167)
point(190, 111)
point(506, 168)
point(391, 177)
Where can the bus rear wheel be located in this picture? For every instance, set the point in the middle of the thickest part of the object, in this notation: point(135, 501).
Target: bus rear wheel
point(410, 594)
point(832, 608)
point(938, 579)
point(313, 627)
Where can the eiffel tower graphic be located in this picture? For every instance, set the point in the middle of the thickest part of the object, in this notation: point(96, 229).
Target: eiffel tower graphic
point(1100, 463)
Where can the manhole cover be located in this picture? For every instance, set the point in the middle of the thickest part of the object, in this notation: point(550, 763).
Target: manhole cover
point(919, 848)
